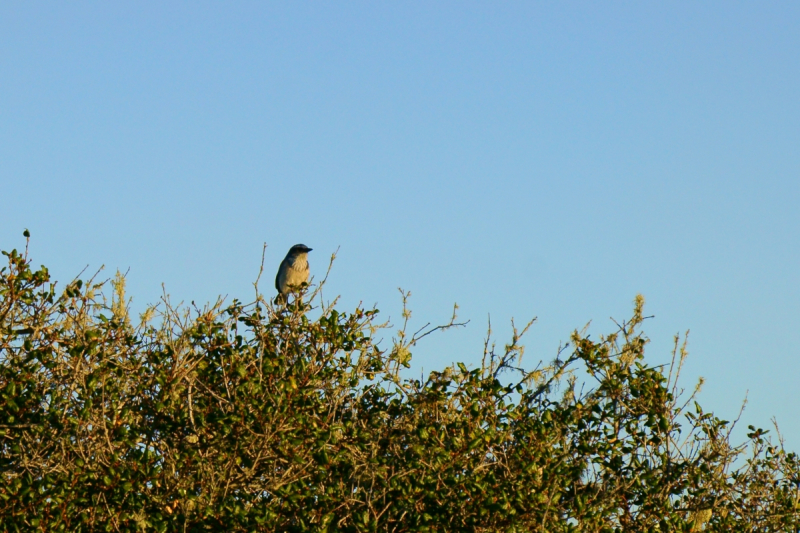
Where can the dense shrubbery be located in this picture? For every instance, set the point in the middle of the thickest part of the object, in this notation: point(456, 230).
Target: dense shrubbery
point(257, 418)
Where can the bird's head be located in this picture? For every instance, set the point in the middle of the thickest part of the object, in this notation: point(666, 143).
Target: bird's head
point(299, 249)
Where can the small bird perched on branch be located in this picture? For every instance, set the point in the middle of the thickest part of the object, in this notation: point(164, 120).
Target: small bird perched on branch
point(293, 271)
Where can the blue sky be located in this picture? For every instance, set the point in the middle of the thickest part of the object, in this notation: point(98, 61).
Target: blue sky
point(522, 159)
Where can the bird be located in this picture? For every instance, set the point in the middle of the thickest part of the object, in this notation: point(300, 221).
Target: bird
point(293, 271)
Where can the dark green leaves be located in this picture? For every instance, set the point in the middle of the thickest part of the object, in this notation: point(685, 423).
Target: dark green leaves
point(255, 418)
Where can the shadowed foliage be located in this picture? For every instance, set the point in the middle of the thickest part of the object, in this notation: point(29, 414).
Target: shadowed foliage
point(254, 417)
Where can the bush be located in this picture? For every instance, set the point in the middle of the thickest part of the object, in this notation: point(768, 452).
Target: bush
point(259, 418)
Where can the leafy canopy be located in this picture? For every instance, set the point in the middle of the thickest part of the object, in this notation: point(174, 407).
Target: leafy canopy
point(254, 417)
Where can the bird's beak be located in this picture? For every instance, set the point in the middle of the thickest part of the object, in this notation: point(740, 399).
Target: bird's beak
point(309, 249)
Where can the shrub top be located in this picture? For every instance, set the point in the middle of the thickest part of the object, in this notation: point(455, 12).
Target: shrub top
point(254, 417)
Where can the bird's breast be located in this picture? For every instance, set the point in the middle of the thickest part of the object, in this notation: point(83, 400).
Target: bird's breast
point(297, 272)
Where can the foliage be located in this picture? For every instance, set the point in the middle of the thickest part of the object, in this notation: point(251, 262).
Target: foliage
point(260, 418)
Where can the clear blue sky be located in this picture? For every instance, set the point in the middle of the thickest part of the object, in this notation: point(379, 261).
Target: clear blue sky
point(519, 158)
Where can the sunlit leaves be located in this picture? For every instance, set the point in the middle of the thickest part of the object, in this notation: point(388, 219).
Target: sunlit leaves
point(255, 418)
